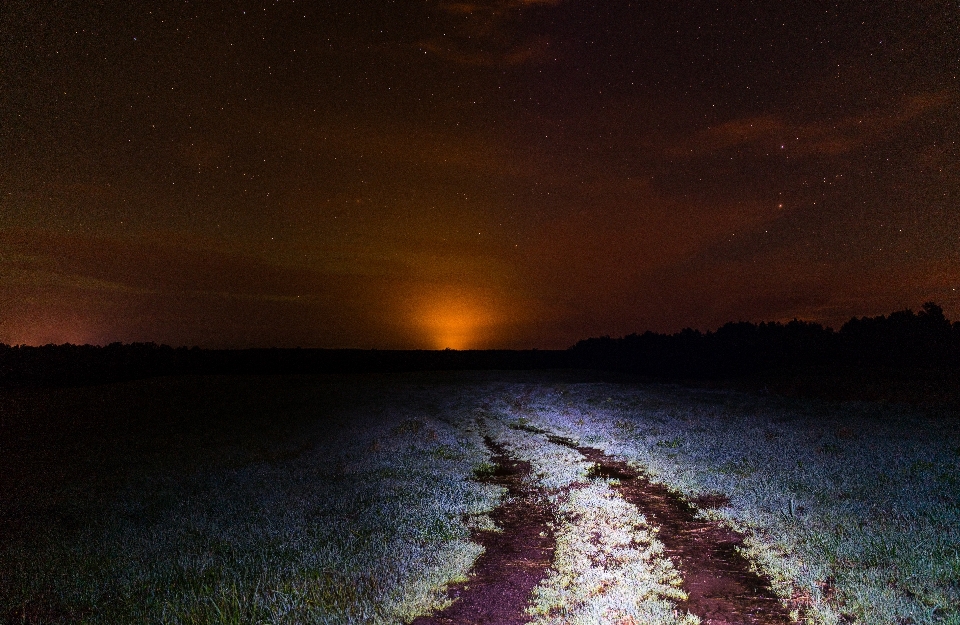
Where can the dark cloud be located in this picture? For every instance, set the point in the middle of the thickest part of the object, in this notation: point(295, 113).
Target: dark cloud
point(489, 34)
point(822, 137)
point(534, 51)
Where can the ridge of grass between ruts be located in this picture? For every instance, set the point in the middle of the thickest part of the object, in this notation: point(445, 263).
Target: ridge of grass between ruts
point(608, 566)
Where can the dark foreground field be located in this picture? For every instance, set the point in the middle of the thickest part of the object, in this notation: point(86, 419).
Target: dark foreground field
point(381, 498)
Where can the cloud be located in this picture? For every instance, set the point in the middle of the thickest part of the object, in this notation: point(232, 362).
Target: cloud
point(182, 290)
point(169, 263)
point(487, 34)
point(470, 8)
point(768, 133)
point(176, 290)
point(533, 51)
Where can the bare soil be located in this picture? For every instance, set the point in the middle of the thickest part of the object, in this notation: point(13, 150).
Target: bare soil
point(514, 560)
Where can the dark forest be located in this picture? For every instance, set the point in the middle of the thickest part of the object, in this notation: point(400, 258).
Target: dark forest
point(910, 355)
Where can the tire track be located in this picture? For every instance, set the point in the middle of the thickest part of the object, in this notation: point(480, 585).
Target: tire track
point(721, 589)
point(514, 560)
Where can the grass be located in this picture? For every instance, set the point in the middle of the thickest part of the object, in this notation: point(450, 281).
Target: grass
point(853, 509)
point(351, 499)
point(365, 524)
point(608, 565)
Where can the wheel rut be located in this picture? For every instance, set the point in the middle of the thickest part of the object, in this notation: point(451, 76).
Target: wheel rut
point(721, 589)
point(514, 560)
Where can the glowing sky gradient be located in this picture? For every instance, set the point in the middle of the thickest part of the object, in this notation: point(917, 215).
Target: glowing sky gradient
point(499, 173)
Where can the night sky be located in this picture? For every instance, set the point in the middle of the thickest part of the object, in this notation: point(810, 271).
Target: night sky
point(484, 173)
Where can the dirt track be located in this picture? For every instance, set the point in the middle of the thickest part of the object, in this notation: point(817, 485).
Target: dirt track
point(720, 587)
point(513, 561)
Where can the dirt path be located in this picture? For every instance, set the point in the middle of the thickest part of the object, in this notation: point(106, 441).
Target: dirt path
point(513, 561)
point(720, 587)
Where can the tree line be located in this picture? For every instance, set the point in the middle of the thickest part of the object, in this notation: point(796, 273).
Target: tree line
point(69, 365)
point(903, 341)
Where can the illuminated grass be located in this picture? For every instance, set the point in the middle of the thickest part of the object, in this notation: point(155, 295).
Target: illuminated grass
point(608, 565)
point(368, 525)
point(853, 510)
point(363, 516)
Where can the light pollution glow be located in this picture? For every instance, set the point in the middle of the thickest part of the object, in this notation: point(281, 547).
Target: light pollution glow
point(456, 321)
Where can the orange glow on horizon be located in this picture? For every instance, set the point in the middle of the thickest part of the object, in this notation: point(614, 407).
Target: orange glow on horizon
point(52, 332)
point(456, 321)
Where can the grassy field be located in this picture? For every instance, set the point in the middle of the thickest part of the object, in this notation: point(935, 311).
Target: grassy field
point(350, 500)
point(853, 510)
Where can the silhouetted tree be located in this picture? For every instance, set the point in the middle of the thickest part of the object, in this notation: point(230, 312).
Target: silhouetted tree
point(904, 339)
